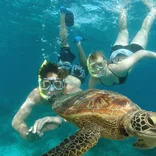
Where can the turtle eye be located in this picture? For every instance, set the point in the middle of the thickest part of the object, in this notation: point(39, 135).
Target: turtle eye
point(150, 121)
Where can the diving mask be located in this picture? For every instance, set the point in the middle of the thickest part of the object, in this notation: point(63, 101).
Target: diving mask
point(97, 69)
point(96, 66)
point(52, 84)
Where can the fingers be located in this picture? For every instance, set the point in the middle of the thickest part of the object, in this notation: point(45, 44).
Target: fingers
point(45, 124)
point(29, 131)
point(42, 122)
point(38, 125)
point(32, 134)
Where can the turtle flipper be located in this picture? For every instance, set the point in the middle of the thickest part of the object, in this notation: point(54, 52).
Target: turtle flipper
point(144, 144)
point(77, 144)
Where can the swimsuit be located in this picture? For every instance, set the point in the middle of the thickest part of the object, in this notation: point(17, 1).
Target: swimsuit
point(119, 53)
point(132, 47)
point(65, 62)
point(121, 79)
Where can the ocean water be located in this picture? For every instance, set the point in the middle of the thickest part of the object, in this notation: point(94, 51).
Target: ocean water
point(29, 34)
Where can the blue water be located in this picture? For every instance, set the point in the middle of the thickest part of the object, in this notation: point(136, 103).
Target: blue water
point(29, 34)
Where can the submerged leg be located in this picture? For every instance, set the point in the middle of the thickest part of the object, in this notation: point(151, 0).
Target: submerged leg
point(123, 36)
point(65, 57)
point(78, 144)
point(149, 3)
point(63, 31)
point(141, 37)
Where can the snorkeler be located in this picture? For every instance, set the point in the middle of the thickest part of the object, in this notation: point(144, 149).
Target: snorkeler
point(123, 56)
point(66, 57)
point(52, 85)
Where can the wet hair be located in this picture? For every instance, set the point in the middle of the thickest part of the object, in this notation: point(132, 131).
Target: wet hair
point(95, 55)
point(52, 67)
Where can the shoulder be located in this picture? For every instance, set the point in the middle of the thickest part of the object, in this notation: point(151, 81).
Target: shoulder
point(34, 93)
point(35, 97)
point(72, 80)
point(70, 89)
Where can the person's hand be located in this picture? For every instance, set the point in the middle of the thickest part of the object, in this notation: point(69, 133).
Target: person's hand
point(33, 135)
point(46, 124)
point(78, 39)
point(42, 125)
point(35, 131)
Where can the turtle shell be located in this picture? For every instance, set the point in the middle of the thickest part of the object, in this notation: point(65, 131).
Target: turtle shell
point(105, 108)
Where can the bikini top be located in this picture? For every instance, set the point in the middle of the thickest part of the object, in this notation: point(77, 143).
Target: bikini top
point(121, 79)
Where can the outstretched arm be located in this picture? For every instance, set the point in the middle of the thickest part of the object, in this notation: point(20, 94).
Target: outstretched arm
point(81, 53)
point(40, 126)
point(82, 56)
point(18, 122)
point(125, 65)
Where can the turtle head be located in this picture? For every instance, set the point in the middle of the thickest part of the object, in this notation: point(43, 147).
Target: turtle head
point(143, 124)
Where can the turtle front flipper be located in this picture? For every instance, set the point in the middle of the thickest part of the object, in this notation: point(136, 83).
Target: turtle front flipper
point(77, 144)
point(144, 144)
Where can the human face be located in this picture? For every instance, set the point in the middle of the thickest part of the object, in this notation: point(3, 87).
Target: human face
point(52, 85)
point(97, 68)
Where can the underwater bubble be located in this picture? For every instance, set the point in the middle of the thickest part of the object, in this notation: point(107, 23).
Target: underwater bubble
point(42, 49)
point(43, 40)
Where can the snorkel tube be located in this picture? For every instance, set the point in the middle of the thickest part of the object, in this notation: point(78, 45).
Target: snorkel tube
point(46, 97)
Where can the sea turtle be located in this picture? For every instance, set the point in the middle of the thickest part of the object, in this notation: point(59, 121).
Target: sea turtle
point(106, 114)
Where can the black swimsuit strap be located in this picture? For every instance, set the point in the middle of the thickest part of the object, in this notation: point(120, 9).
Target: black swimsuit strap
point(121, 79)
